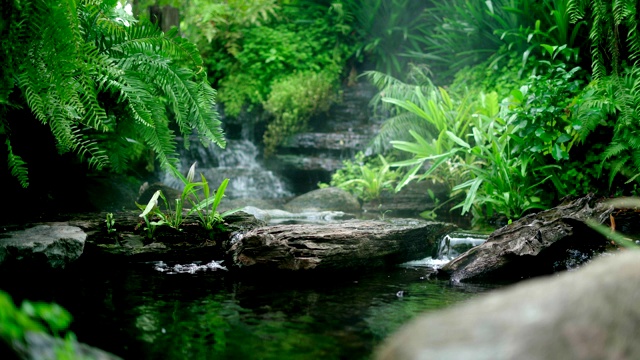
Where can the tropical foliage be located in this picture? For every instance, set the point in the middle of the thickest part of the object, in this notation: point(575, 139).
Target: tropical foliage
point(107, 86)
point(390, 33)
point(259, 53)
point(505, 156)
point(612, 99)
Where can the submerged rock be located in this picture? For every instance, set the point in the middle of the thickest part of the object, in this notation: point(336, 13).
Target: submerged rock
point(348, 245)
point(49, 246)
point(537, 244)
point(591, 313)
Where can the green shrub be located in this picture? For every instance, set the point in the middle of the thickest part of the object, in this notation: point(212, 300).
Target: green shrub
point(265, 54)
point(366, 178)
point(541, 113)
point(293, 100)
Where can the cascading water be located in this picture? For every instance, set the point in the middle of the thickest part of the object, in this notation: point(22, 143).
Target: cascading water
point(450, 247)
point(454, 244)
point(238, 162)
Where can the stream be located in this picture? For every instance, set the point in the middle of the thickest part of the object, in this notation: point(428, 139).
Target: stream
point(138, 312)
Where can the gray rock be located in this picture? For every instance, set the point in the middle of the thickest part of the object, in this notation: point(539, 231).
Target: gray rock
point(52, 245)
point(413, 198)
point(327, 199)
point(290, 162)
point(39, 346)
point(535, 245)
point(591, 313)
point(331, 141)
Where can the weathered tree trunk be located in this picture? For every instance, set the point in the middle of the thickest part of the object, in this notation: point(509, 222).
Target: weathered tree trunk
point(349, 245)
point(534, 245)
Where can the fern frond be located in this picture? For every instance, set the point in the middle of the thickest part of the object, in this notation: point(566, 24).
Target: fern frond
point(614, 149)
point(17, 166)
point(616, 167)
point(575, 10)
point(398, 128)
point(100, 85)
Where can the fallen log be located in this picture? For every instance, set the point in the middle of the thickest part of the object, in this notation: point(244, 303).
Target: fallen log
point(534, 245)
point(353, 244)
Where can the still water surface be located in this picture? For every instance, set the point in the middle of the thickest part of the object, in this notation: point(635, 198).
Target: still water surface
point(139, 313)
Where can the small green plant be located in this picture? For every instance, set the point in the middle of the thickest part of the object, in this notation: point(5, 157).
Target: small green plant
point(372, 181)
point(421, 108)
point(172, 216)
point(149, 210)
point(364, 177)
point(110, 222)
point(205, 207)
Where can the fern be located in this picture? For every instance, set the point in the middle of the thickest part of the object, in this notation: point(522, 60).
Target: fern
point(102, 84)
point(17, 166)
point(608, 19)
point(613, 98)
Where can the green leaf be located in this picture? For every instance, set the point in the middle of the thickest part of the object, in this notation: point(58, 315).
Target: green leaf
point(558, 153)
point(563, 138)
point(153, 202)
point(457, 140)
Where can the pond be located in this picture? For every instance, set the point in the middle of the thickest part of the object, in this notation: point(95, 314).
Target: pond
point(138, 312)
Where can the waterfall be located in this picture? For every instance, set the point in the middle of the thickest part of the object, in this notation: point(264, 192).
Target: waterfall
point(248, 178)
point(454, 244)
point(450, 247)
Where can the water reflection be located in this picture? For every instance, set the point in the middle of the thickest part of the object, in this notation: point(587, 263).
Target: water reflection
point(140, 313)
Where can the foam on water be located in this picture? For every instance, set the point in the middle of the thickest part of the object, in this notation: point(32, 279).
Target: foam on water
point(192, 268)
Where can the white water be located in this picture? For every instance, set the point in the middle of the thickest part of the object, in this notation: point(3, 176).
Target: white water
point(192, 268)
point(239, 163)
point(450, 247)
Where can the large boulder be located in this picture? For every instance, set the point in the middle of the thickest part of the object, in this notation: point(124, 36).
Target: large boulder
point(51, 246)
point(535, 245)
point(327, 199)
point(355, 244)
point(591, 313)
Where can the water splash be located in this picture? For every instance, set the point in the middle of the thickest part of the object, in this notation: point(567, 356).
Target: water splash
point(192, 268)
point(454, 244)
point(450, 247)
